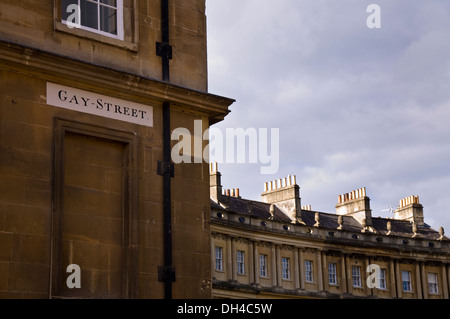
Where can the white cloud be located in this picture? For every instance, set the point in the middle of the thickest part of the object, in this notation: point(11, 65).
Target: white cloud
point(355, 106)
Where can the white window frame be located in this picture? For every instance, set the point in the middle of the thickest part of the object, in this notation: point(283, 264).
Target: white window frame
point(332, 277)
point(406, 281)
point(285, 268)
point(218, 252)
point(263, 266)
point(240, 258)
point(433, 287)
point(309, 273)
point(356, 276)
point(120, 22)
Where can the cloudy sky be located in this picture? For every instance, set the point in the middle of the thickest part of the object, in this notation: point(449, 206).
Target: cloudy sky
point(356, 107)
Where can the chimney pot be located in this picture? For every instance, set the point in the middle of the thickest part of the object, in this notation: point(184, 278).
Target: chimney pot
point(213, 168)
point(215, 184)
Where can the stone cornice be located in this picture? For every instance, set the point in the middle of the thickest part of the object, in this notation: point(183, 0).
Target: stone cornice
point(298, 235)
point(83, 75)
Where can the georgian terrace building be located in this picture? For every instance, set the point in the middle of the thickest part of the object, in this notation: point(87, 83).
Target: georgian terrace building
point(275, 248)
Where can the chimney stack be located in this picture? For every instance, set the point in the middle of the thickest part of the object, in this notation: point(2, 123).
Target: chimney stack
point(357, 205)
point(410, 209)
point(285, 194)
point(215, 184)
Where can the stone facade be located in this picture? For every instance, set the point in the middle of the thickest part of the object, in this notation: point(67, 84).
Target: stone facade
point(38, 25)
point(81, 188)
point(261, 250)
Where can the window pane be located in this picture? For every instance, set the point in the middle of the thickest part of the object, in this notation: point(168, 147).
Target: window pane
point(240, 262)
point(286, 271)
point(108, 20)
point(64, 5)
point(433, 283)
point(432, 278)
point(406, 280)
point(382, 278)
point(308, 271)
point(218, 252)
point(356, 274)
point(405, 275)
point(110, 2)
point(332, 274)
point(89, 14)
point(263, 265)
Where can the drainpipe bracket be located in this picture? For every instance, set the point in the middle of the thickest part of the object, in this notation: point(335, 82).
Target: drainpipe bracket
point(166, 168)
point(166, 273)
point(163, 49)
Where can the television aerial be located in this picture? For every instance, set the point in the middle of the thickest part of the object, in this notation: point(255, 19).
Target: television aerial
point(391, 210)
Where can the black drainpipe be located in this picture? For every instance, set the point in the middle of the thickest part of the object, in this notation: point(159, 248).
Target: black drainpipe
point(166, 273)
point(163, 49)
